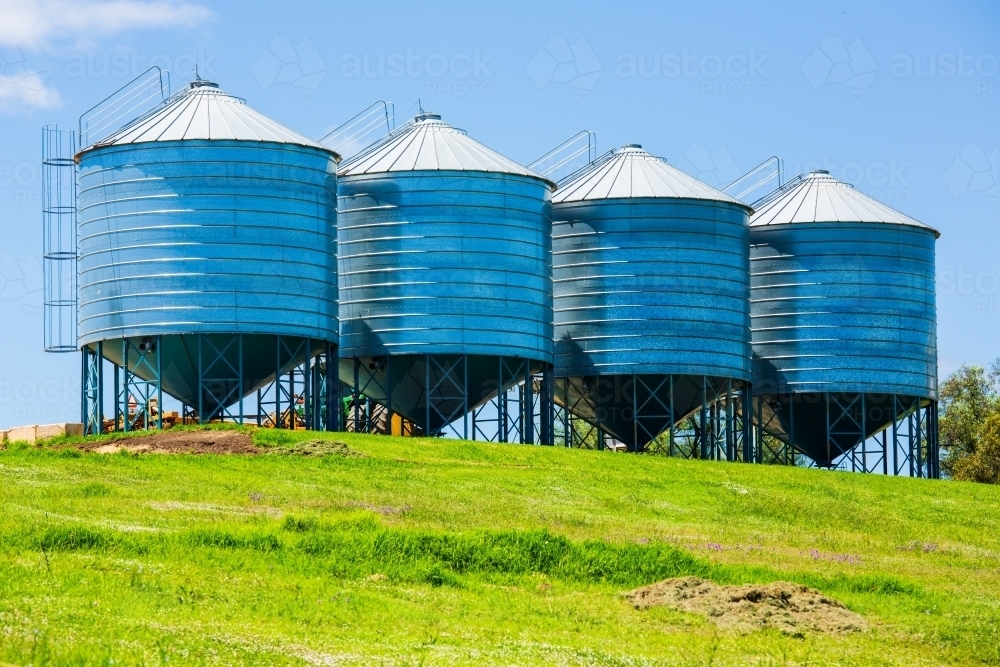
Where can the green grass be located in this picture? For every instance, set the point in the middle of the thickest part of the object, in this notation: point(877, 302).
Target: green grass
point(447, 552)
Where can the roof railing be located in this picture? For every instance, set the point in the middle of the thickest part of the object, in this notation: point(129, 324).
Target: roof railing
point(596, 162)
point(774, 163)
point(777, 192)
point(353, 136)
point(400, 130)
point(583, 143)
point(125, 106)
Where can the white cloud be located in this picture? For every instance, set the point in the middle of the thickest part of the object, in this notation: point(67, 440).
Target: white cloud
point(24, 25)
point(57, 20)
point(30, 90)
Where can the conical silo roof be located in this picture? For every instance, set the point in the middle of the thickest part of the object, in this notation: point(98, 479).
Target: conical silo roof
point(428, 144)
point(819, 197)
point(203, 111)
point(632, 172)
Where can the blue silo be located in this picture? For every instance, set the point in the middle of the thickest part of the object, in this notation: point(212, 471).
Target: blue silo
point(207, 249)
point(445, 273)
point(844, 323)
point(651, 285)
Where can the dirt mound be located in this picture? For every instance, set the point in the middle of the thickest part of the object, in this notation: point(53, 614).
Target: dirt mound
point(315, 448)
point(178, 442)
point(787, 607)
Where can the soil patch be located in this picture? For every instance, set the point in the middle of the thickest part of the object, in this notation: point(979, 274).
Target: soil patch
point(315, 448)
point(783, 606)
point(178, 442)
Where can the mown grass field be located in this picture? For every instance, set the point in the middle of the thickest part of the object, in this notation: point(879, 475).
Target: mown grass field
point(447, 552)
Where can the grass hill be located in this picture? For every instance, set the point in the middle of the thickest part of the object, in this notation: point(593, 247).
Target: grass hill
point(417, 551)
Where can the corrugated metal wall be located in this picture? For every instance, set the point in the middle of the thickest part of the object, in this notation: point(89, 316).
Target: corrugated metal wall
point(651, 286)
point(445, 262)
point(207, 236)
point(844, 307)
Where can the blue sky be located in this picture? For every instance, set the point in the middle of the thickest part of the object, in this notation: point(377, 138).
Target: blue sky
point(901, 99)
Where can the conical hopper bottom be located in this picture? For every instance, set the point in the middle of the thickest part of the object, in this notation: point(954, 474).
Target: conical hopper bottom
point(223, 357)
point(610, 402)
point(825, 426)
point(403, 383)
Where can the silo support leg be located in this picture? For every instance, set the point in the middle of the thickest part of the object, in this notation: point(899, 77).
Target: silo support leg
point(220, 377)
point(139, 400)
point(446, 392)
point(92, 393)
point(703, 421)
point(652, 411)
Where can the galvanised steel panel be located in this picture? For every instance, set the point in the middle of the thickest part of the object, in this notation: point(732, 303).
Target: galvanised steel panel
point(205, 236)
point(651, 286)
point(843, 307)
point(445, 262)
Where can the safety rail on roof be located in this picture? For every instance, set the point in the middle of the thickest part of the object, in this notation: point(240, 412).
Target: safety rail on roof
point(596, 162)
point(777, 192)
point(566, 154)
point(353, 136)
point(759, 172)
point(131, 102)
point(399, 131)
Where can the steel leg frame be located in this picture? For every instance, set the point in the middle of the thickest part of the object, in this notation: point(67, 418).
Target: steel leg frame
point(219, 367)
point(509, 373)
point(447, 382)
point(718, 428)
point(301, 383)
point(135, 358)
point(907, 444)
point(363, 414)
point(523, 405)
point(220, 380)
point(92, 389)
point(446, 398)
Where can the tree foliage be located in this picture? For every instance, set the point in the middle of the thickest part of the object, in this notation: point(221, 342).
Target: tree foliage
point(969, 397)
point(983, 465)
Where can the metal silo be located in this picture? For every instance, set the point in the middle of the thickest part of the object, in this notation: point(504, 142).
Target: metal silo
point(207, 258)
point(844, 328)
point(445, 277)
point(652, 322)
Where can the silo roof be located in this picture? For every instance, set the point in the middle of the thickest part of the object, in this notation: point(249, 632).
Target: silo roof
point(428, 144)
point(203, 111)
point(819, 197)
point(632, 172)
